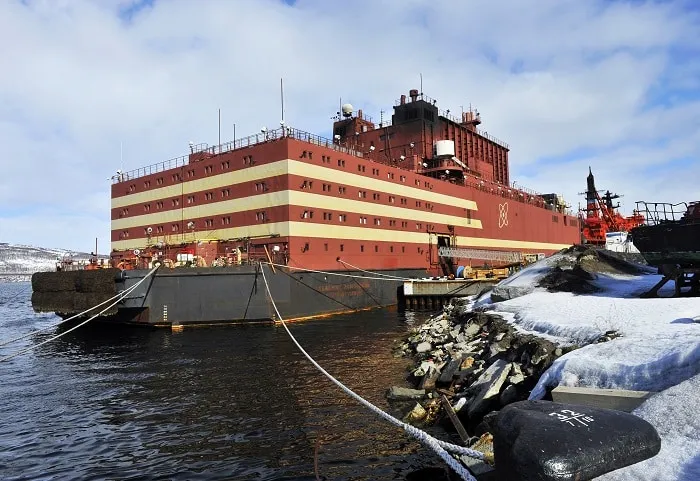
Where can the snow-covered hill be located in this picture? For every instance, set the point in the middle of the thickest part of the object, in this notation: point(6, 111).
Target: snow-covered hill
point(25, 260)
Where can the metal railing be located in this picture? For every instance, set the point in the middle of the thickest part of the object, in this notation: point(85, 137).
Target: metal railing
point(659, 212)
point(242, 143)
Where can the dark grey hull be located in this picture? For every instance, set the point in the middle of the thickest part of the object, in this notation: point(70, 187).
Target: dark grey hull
point(237, 294)
point(674, 243)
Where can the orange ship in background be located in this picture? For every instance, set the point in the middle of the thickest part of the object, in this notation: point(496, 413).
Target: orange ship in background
point(600, 219)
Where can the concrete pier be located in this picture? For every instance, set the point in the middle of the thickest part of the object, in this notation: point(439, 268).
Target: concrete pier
point(432, 294)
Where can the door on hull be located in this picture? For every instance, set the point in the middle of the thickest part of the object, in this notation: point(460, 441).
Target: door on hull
point(446, 263)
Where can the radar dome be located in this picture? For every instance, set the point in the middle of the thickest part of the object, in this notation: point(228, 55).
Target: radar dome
point(347, 110)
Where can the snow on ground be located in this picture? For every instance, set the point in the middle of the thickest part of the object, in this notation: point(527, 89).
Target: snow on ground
point(674, 414)
point(659, 351)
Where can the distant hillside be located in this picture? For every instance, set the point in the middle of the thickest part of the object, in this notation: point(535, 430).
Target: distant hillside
point(19, 261)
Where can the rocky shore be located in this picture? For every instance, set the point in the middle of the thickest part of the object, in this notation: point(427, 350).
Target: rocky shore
point(474, 362)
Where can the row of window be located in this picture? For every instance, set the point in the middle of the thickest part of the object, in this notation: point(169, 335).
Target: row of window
point(189, 174)
point(262, 187)
point(328, 216)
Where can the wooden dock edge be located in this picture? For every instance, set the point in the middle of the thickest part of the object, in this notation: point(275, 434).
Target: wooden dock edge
point(617, 399)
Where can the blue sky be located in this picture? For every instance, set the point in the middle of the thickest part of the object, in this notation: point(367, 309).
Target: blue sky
point(568, 84)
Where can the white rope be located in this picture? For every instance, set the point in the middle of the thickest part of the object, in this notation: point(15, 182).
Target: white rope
point(5, 343)
point(440, 447)
point(121, 295)
point(332, 273)
point(374, 273)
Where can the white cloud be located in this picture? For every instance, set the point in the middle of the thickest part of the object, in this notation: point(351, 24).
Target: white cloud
point(563, 78)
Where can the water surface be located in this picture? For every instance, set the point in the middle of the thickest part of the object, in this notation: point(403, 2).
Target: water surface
point(231, 403)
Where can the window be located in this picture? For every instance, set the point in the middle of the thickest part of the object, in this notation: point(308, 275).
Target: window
point(392, 199)
point(225, 192)
point(260, 216)
point(363, 220)
point(325, 247)
point(147, 184)
point(342, 247)
point(159, 181)
point(362, 248)
point(225, 165)
point(176, 202)
point(402, 178)
point(260, 187)
point(190, 173)
point(326, 187)
point(327, 216)
point(392, 223)
point(377, 221)
point(342, 218)
point(341, 190)
point(226, 220)
point(341, 163)
point(248, 160)
point(147, 207)
point(391, 248)
point(375, 196)
point(362, 194)
point(209, 223)
point(159, 204)
point(404, 224)
point(175, 227)
point(404, 201)
point(326, 159)
point(209, 195)
point(360, 168)
point(376, 248)
point(190, 199)
point(375, 171)
point(159, 229)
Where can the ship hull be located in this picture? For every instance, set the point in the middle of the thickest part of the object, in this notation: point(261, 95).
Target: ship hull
point(669, 243)
point(239, 294)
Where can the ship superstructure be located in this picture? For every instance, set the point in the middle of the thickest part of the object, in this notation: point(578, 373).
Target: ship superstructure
point(601, 221)
point(379, 197)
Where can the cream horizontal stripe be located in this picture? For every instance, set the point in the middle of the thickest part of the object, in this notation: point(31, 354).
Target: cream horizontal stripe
point(311, 230)
point(303, 169)
point(293, 167)
point(293, 197)
point(248, 174)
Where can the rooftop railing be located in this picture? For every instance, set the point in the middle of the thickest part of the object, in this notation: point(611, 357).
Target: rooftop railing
point(242, 143)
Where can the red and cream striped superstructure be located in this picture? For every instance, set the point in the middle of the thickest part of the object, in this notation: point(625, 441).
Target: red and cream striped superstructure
point(378, 197)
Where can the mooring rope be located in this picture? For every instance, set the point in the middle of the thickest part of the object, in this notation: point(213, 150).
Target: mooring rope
point(121, 295)
point(335, 273)
point(373, 273)
point(442, 448)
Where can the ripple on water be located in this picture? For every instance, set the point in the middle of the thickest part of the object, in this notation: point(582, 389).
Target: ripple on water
point(225, 403)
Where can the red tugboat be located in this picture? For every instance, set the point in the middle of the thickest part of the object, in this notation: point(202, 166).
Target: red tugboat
point(423, 194)
point(602, 224)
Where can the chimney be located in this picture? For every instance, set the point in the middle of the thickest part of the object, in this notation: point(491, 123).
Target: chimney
point(414, 94)
point(403, 99)
point(359, 114)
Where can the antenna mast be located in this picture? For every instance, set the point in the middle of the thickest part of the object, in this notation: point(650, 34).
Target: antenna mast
point(421, 84)
point(219, 127)
point(282, 98)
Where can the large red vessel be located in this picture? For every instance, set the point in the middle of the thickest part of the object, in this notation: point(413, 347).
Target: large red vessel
point(377, 196)
point(423, 194)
